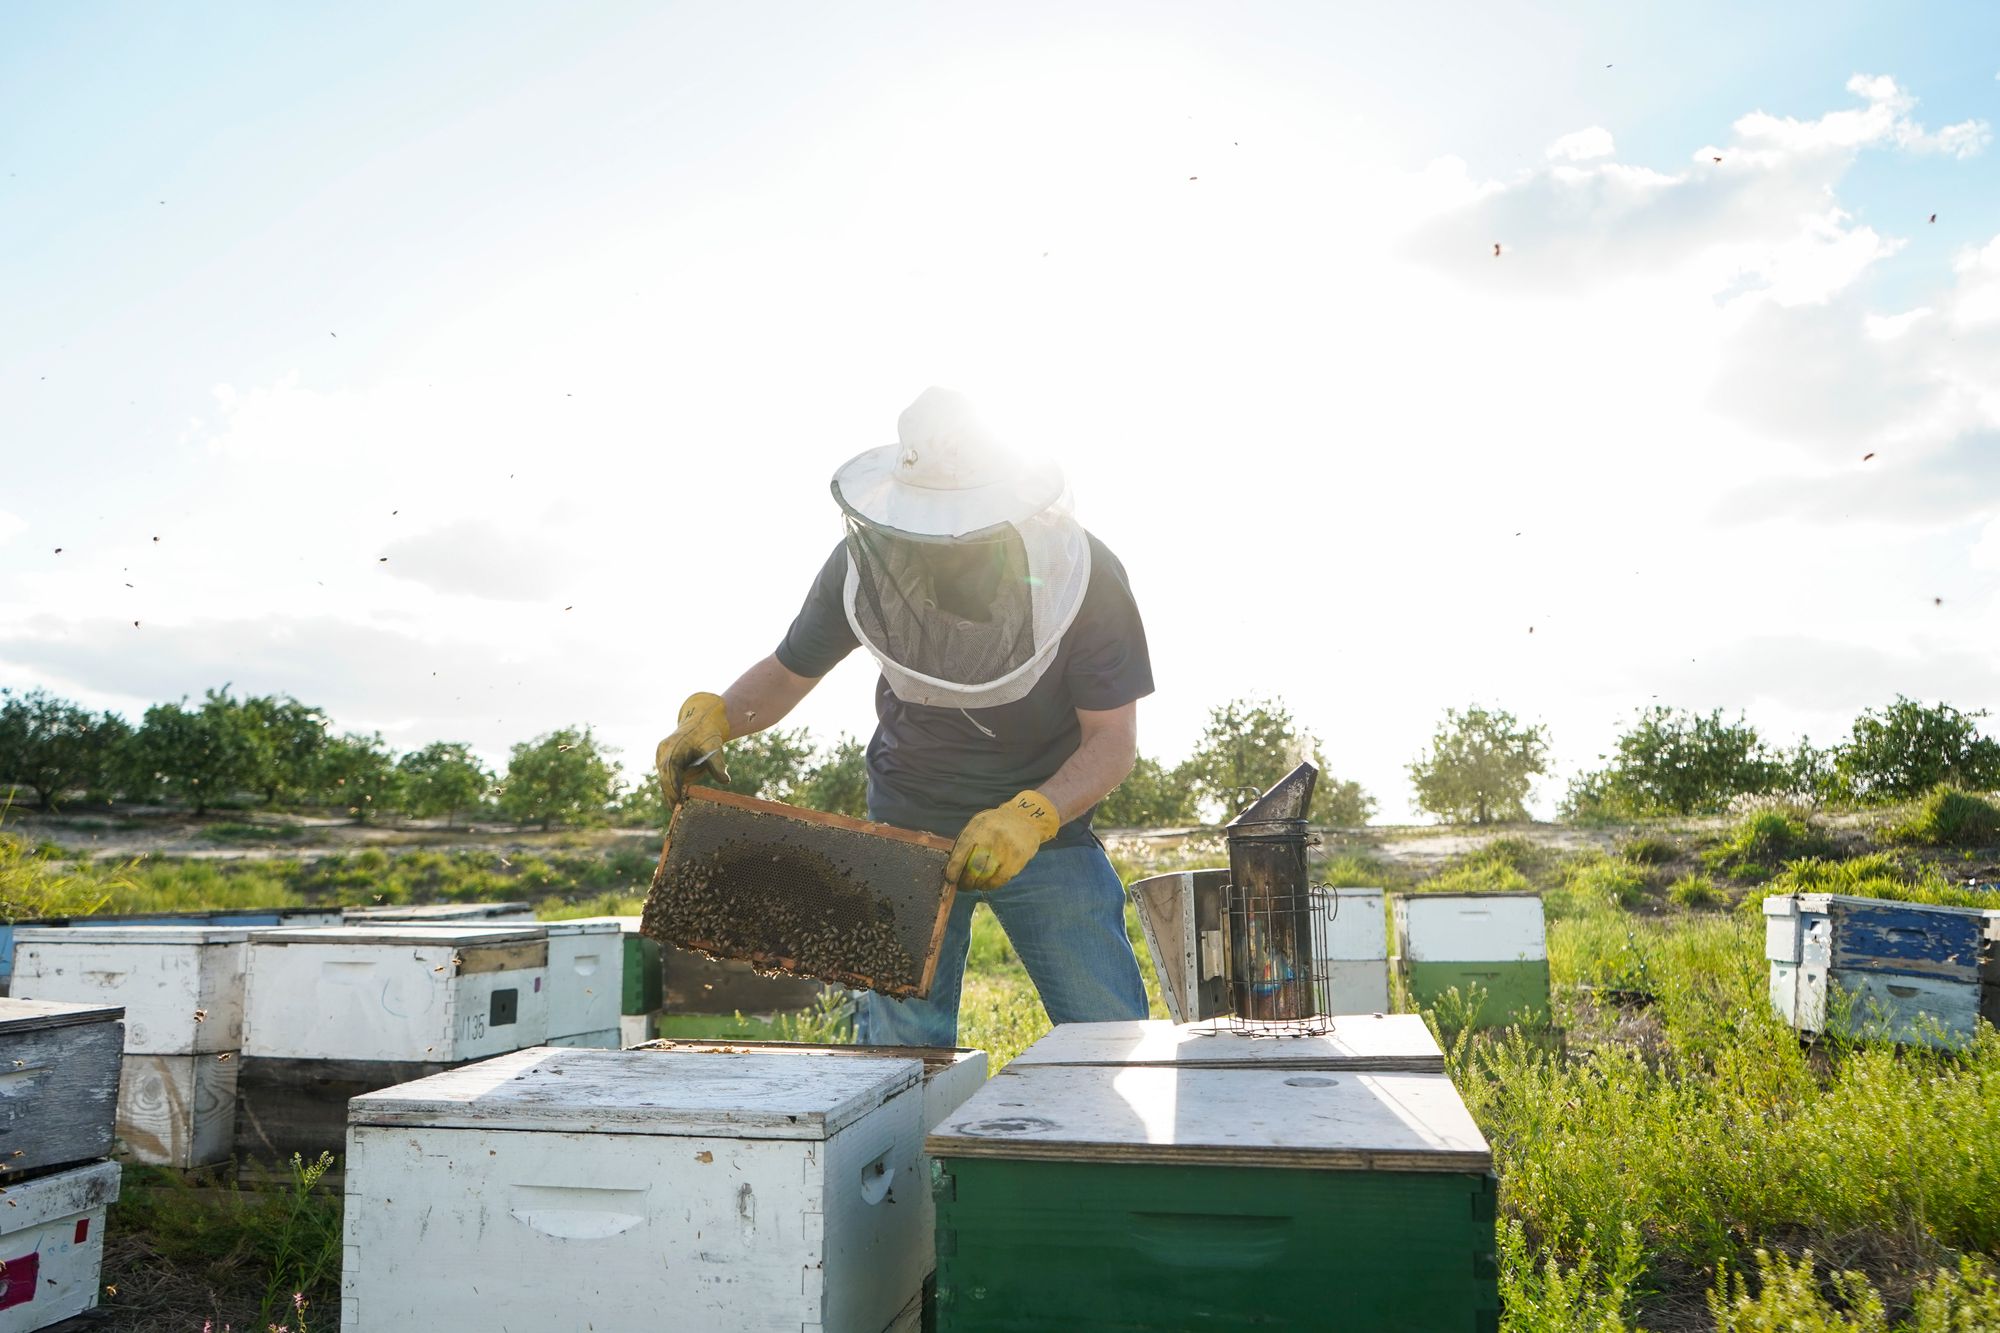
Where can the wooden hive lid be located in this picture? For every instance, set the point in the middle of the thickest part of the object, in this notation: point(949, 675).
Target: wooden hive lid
point(1374, 1042)
point(35, 1015)
point(582, 925)
point(1297, 1119)
point(935, 1059)
point(1832, 902)
point(440, 936)
point(667, 1093)
point(134, 934)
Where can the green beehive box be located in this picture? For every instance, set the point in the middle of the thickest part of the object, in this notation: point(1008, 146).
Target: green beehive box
point(1167, 1198)
point(1507, 992)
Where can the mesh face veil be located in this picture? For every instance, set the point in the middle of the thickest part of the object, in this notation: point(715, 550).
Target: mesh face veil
point(971, 621)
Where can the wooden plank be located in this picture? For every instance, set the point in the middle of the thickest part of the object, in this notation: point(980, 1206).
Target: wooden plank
point(1298, 1119)
point(444, 912)
point(58, 1082)
point(177, 1110)
point(755, 1096)
point(847, 823)
point(951, 1073)
point(1377, 1042)
point(21, 1015)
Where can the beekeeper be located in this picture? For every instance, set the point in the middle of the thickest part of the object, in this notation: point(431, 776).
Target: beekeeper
point(1013, 659)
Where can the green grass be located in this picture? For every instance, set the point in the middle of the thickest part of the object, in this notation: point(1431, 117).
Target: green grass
point(1665, 1133)
point(1948, 817)
point(1761, 842)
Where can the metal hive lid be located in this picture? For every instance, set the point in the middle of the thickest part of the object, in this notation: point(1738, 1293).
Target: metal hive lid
point(1289, 798)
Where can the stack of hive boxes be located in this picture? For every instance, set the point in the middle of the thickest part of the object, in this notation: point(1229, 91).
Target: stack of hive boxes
point(1489, 946)
point(1151, 1176)
point(720, 1187)
point(58, 1100)
point(182, 991)
point(1874, 968)
point(642, 975)
point(336, 1011)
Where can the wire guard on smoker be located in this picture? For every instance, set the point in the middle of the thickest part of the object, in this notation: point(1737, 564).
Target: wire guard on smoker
point(1276, 966)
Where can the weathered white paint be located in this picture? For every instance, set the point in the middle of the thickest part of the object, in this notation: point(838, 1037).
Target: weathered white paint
point(1380, 1042)
point(177, 1110)
point(1798, 994)
point(749, 1095)
point(638, 1190)
point(395, 993)
point(1470, 927)
point(606, 1040)
point(1355, 926)
point(58, 1082)
point(636, 1029)
point(1356, 987)
point(1781, 928)
point(1913, 1010)
point(181, 986)
point(1294, 1118)
point(40, 1245)
point(586, 976)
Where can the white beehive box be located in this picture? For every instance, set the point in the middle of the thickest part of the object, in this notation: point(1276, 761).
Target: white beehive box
point(177, 1110)
point(1356, 928)
point(637, 1029)
point(607, 1040)
point(181, 986)
point(586, 976)
point(1470, 927)
point(641, 1189)
point(58, 1082)
point(392, 993)
point(52, 1241)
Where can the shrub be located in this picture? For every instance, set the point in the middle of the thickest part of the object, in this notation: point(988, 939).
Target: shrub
point(1877, 875)
point(1609, 879)
point(1907, 749)
point(1762, 842)
point(1649, 851)
point(1676, 762)
point(1789, 1300)
point(1948, 817)
point(1471, 876)
point(1694, 891)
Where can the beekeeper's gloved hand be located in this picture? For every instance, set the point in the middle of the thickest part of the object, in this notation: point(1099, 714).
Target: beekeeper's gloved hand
point(997, 843)
point(694, 747)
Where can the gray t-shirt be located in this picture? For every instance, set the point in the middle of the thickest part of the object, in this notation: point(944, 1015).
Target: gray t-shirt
point(934, 768)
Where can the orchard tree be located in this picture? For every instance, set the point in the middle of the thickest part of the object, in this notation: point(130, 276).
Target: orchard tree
point(768, 763)
point(199, 756)
point(56, 747)
point(1247, 747)
point(357, 773)
point(1151, 796)
point(836, 782)
point(1907, 748)
point(291, 741)
point(565, 775)
point(1479, 766)
point(444, 778)
point(1676, 762)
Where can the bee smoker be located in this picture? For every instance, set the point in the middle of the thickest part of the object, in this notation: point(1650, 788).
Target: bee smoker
point(1274, 957)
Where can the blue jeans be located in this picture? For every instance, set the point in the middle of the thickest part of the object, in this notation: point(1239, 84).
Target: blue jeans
point(1065, 916)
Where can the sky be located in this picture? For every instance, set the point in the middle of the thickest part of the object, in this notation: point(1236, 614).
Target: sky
point(474, 370)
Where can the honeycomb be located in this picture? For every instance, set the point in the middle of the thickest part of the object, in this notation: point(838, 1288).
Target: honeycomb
point(795, 895)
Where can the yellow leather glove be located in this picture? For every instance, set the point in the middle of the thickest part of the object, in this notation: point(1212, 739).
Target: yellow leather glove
point(695, 747)
point(997, 843)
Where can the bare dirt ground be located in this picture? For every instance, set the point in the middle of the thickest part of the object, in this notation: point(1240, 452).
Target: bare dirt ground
point(126, 832)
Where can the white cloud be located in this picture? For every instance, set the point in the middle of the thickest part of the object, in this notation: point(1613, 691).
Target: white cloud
point(1882, 328)
point(1582, 145)
point(1766, 140)
point(11, 525)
